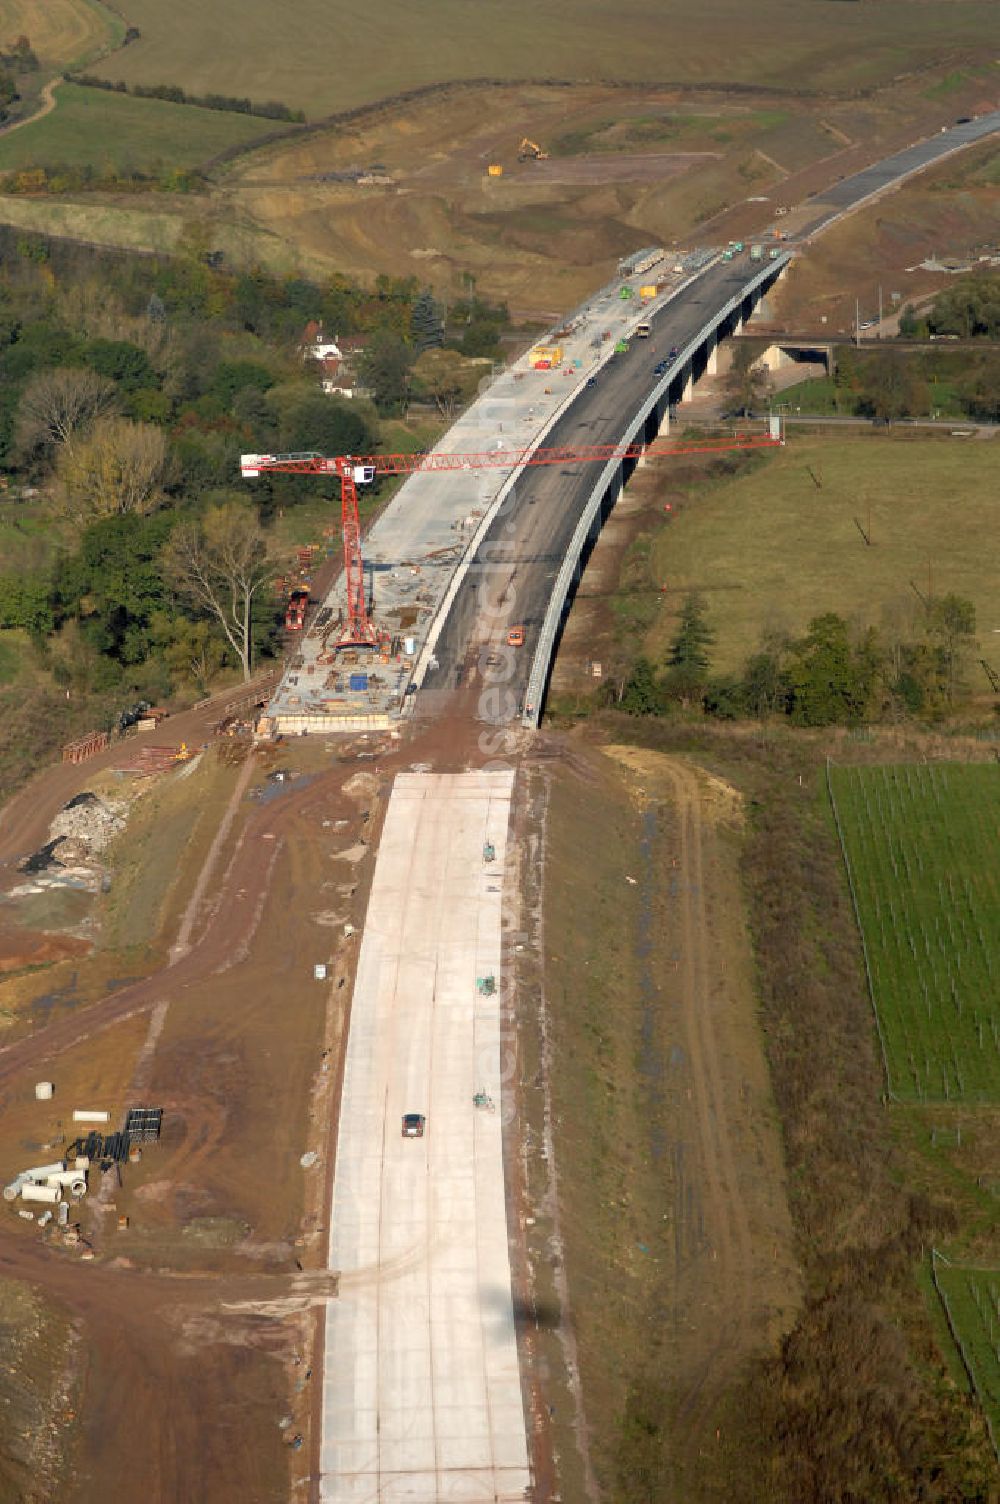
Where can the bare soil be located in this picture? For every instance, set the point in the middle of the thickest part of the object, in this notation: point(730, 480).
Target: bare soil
point(545, 233)
point(199, 1319)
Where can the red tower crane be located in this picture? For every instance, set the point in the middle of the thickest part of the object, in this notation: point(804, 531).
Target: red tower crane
point(359, 629)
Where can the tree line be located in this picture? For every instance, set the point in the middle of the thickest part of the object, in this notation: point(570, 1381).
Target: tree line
point(970, 310)
point(129, 386)
point(269, 109)
point(832, 675)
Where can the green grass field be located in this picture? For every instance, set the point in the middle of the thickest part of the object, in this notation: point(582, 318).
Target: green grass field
point(324, 58)
point(113, 132)
point(921, 849)
point(822, 395)
point(972, 1300)
point(771, 548)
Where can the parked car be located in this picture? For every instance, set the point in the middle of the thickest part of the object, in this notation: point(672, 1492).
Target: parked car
point(414, 1124)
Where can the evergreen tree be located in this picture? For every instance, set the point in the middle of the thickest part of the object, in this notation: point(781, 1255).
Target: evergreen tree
point(688, 661)
point(426, 323)
point(641, 695)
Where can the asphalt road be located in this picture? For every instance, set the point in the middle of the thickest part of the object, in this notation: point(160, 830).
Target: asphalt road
point(512, 575)
point(852, 191)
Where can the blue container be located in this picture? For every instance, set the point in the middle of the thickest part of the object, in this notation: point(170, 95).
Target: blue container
point(358, 681)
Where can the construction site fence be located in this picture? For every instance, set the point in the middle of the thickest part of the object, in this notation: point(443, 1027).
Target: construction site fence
point(86, 746)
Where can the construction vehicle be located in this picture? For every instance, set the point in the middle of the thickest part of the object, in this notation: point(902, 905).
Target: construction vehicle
point(358, 629)
point(530, 151)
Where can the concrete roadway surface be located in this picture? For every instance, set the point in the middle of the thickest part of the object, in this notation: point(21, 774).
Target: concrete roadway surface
point(421, 1390)
point(511, 577)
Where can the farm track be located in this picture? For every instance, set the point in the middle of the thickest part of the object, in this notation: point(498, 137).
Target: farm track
point(720, 1201)
point(48, 98)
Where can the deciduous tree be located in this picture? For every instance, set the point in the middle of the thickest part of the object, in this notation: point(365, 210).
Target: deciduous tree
point(221, 564)
point(58, 404)
point(748, 382)
point(385, 368)
point(116, 470)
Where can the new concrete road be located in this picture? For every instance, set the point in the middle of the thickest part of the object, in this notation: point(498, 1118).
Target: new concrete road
point(510, 579)
point(421, 1391)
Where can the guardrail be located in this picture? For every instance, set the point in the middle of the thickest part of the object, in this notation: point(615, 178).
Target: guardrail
point(541, 662)
point(585, 310)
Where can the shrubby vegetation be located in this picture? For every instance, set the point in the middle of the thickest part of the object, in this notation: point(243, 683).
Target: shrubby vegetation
point(128, 389)
point(20, 59)
point(834, 675)
point(970, 309)
point(271, 109)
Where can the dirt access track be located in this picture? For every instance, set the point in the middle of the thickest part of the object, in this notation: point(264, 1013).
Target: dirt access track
point(197, 1322)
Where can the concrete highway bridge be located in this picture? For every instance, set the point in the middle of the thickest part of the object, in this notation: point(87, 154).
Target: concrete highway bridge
point(462, 558)
point(423, 1397)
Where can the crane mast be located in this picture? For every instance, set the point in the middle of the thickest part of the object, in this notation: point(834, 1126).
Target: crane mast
point(359, 630)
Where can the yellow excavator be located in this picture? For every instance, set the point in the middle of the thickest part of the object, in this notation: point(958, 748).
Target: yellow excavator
point(530, 151)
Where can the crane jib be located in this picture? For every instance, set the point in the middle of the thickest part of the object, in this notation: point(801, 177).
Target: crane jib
point(363, 469)
point(356, 470)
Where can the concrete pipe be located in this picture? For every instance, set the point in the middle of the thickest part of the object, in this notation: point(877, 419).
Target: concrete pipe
point(67, 1177)
point(40, 1172)
point(47, 1193)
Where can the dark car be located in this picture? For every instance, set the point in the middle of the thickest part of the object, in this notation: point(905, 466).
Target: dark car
point(660, 369)
point(413, 1124)
point(674, 352)
point(591, 380)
